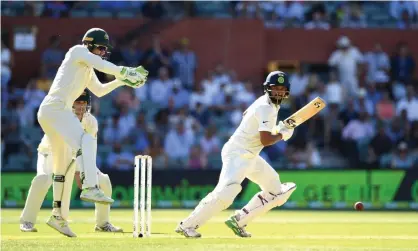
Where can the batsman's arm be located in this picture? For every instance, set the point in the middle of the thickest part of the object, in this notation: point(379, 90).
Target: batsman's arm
point(268, 139)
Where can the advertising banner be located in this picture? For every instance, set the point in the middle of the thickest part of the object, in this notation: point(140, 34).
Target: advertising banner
point(322, 189)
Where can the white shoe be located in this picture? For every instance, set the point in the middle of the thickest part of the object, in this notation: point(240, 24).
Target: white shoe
point(27, 226)
point(95, 195)
point(107, 227)
point(189, 232)
point(61, 225)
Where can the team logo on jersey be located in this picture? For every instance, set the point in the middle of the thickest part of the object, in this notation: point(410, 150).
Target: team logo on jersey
point(280, 80)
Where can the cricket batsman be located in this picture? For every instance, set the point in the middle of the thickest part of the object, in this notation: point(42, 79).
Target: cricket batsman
point(240, 158)
point(43, 180)
point(63, 129)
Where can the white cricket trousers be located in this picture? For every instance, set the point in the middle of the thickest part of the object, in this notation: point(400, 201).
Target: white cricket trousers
point(64, 130)
point(238, 164)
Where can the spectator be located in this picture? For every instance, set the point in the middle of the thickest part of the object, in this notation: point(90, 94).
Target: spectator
point(385, 108)
point(210, 142)
point(139, 137)
point(406, 21)
point(291, 11)
point(111, 133)
point(363, 104)
point(236, 115)
point(333, 128)
point(347, 59)
point(120, 160)
point(221, 75)
point(299, 82)
point(25, 113)
point(373, 95)
point(355, 17)
point(153, 10)
point(410, 104)
point(43, 83)
point(183, 116)
point(177, 145)
point(6, 65)
point(11, 131)
point(199, 96)
point(335, 94)
point(155, 57)
point(56, 9)
point(317, 22)
point(402, 65)
point(359, 128)
point(235, 84)
point(180, 96)
point(185, 64)
point(355, 131)
point(126, 97)
point(395, 131)
point(126, 123)
point(161, 88)
point(197, 159)
point(52, 57)
point(413, 137)
point(33, 97)
point(306, 158)
point(397, 8)
point(274, 22)
point(201, 114)
point(380, 144)
point(402, 159)
point(159, 157)
point(211, 87)
point(246, 96)
point(378, 65)
point(131, 54)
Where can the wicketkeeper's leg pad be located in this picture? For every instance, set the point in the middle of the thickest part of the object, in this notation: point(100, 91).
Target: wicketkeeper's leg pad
point(36, 195)
point(103, 211)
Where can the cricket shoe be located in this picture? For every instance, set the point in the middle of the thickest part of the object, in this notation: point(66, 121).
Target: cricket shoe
point(61, 225)
point(108, 227)
point(189, 232)
point(27, 226)
point(95, 195)
point(232, 224)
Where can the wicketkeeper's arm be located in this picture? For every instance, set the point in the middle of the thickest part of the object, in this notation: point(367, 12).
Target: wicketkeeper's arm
point(100, 89)
point(82, 55)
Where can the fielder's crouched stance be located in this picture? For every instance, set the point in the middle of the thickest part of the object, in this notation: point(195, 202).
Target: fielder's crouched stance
point(43, 180)
point(240, 157)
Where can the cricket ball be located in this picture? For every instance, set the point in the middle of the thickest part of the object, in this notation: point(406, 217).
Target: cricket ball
point(358, 206)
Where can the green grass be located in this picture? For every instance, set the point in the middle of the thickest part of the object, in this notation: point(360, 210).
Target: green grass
point(278, 230)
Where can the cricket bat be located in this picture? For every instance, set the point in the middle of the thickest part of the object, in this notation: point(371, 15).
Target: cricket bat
point(305, 113)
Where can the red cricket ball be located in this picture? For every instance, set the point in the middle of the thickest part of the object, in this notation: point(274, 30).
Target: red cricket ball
point(358, 206)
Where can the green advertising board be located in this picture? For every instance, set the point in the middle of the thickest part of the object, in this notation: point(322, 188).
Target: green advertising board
point(379, 189)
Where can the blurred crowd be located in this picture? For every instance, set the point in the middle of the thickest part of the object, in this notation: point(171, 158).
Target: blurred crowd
point(371, 119)
point(280, 14)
